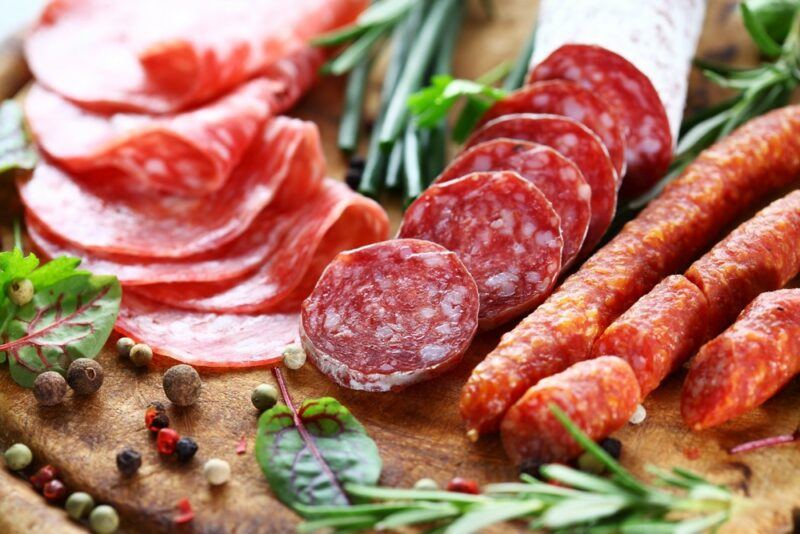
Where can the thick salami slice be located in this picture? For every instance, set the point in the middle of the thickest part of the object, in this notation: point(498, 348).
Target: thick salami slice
point(96, 213)
point(557, 177)
point(162, 56)
point(747, 364)
point(503, 229)
point(660, 332)
point(575, 142)
point(758, 159)
point(760, 255)
point(563, 97)
point(389, 315)
point(599, 396)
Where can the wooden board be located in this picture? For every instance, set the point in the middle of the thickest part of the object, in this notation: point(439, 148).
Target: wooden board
point(418, 431)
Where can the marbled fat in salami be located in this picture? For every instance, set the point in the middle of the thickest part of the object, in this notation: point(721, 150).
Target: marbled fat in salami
point(389, 315)
point(557, 177)
point(503, 229)
point(575, 142)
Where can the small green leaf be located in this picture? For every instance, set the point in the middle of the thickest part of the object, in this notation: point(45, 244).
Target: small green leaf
point(775, 16)
point(311, 465)
point(758, 32)
point(423, 513)
point(579, 479)
point(13, 265)
point(484, 516)
point(584, 510)
point(16, 151)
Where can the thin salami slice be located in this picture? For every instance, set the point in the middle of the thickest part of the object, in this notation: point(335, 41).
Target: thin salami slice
point(557, 177)
point(96, 213)
point(747, 364)
point(598, 395)
point(575, 142)
point(389, 315)
point(563, 97)
point(503, 229)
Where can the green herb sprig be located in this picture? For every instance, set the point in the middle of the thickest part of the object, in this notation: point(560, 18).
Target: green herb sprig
point(579, 502)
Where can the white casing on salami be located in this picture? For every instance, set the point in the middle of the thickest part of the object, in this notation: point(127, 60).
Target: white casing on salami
point(658, 36)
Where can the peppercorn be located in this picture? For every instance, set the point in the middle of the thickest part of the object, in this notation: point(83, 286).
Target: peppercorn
point(167, 441)
point(159, 422)
point(128, 461)
point(589, 463)
point(141, 355)
point(104, 520)
point(85, 376)
point(463, 485)
point(79, 505)
point(49, 388)
point(124, 346)
point(185, 449)
point(427, 484)
point(639, 415)
point(54, 491)
point(264, 397)
point(294, 357)
point(217, 472)
point(612, 446)
point(18, 457)
point(531, 467)
point(43, 476)
point(182, 384)
point(20, 291)
point(153, 409)
point(355, 170)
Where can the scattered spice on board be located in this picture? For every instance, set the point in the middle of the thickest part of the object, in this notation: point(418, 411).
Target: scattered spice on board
point(166, 441)
point(124, 346)
point(54, 491)
point(18, 457)
point(182, 384)
point(79, 505)
point(43, 476)
point(141, 355)
point(217, 472)
point(49, 388)
point(185, 449)
point(85, 376)
point(463, 485)
point(241, 447)
point(129, 461)
point(185, 512)
point(104, 520)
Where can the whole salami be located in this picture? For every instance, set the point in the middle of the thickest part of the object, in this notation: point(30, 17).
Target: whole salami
point(503, 229)
point(598, 395)
point(389, 315)
point(557, 177)
point(758, 159)
point(747, 364)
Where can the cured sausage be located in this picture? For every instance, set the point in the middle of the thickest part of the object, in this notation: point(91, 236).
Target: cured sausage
point(563, 97)
point(503, 229)
point(161, 56)
point(575, 142)
point(758, 159)
point(747, 364)
point(598, 395)
point(356, 324)
point(555, 176)
point(760, 255)
point(660, 332)
point(636, 56)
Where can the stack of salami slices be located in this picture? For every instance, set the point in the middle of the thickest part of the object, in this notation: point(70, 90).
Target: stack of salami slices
point(167, 164)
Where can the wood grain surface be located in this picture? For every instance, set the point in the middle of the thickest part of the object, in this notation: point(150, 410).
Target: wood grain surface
point(418, 431)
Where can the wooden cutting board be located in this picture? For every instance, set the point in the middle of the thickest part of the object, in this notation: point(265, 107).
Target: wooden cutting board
point(418, 431)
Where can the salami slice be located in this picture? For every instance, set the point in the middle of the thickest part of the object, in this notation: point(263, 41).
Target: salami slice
point(725, 182)
point(389, 315)
point(575, 142)
point(563, 97)
point(747, 364)
point(660, 332)
point(598, 395)
point(162, 56)
point(96, 213)
point(557, 177)
point(503, 229)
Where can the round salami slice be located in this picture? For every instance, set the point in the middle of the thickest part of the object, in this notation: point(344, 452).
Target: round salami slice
point(577, 143)
point(503, 229)
point(389, 315)
point(563, 97)
point(557, 177)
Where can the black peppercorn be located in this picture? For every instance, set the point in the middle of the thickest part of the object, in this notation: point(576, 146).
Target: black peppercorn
point(530, 467)
point(85, 376)
point(612, 446)
point(355, 170)
point(128, 461)
point(158, 422)
point(185, 449)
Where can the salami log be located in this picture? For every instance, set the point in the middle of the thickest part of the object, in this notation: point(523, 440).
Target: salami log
point(747, 364)
point(636, 56)
point(389, 315)
point(555, 176)
point(758, 159)
point(563, 97)
point(575, 142)
point(660, 332)
point(598, 395)
point(503, 229)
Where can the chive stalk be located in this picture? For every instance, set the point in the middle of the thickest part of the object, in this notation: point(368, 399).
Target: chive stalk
point(358, 52)
point(516, 78)
point(394, 167)
point(412, 165)
point(349, 127)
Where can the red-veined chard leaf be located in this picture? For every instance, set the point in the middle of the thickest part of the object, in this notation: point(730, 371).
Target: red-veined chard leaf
point(69, 319)
point(16, 151)
point(311, 465)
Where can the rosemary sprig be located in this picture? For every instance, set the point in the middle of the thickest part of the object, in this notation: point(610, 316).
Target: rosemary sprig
point(578, 501)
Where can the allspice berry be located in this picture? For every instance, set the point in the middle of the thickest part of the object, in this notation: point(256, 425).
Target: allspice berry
point(182, 385)
point(49, 388)
point(264, 397)
point(141, 354)
point(21, 291)
point(85, 376)
point(294, 357)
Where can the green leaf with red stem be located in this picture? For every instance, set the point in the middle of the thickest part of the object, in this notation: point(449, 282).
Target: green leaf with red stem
point(16, 151)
